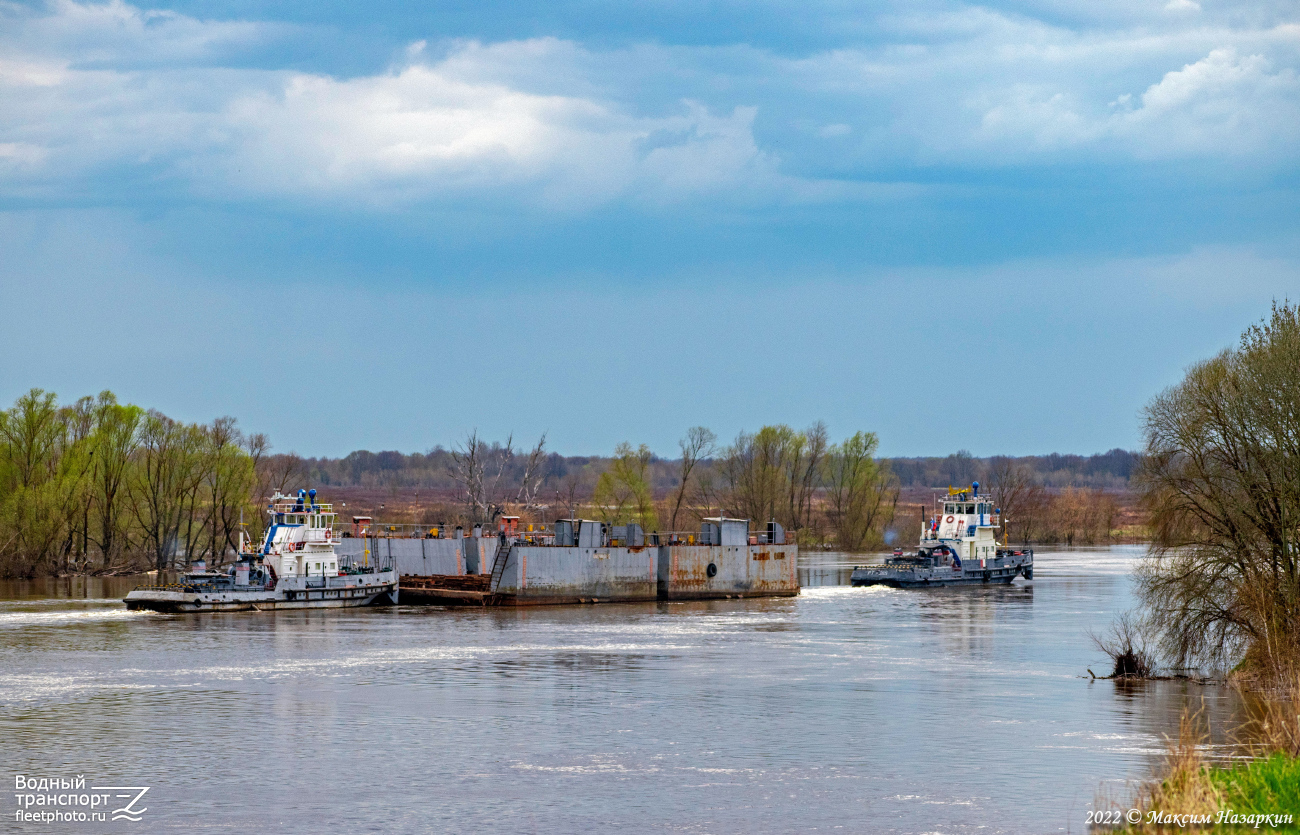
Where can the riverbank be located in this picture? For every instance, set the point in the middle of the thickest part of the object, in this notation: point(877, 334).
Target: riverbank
point(1258, 788)
point(1260, 794)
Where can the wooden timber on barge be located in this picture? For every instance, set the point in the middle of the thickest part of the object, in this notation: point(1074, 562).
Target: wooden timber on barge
point(445, 590)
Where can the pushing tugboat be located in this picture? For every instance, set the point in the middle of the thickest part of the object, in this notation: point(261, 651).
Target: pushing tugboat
point(958, 548)
point(294, 568)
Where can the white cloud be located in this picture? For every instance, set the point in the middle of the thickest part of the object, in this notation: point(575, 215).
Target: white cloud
point(421, 132)
point(113, 90)
point(996, 89)
point(1225, 103)
point(426, 130)
point(116, 33)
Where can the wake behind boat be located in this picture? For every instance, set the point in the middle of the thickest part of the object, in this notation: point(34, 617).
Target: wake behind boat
point(294, 568)
point(957, 548)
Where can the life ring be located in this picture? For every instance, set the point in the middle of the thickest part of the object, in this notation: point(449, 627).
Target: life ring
point(948, 520)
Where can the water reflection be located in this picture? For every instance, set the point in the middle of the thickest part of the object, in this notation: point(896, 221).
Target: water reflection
point(68, 588)
point(953, 710)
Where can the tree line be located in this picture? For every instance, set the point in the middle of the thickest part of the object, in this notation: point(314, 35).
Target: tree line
point(433, 470)
point(1032, 512)
point(476, 480)
point(1111, 471)
point(102, 486)
point(822, 492)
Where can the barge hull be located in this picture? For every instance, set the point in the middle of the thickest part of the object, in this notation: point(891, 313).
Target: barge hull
point(536, 575)
point(712, 572)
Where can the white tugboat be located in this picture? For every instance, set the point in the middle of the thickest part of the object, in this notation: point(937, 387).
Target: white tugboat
point(295, 567)
point(958, 548)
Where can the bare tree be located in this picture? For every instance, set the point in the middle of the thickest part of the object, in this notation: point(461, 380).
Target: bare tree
point(1016, 494)
point(471, 464)
point(257, 446)
point(534, 476)
point(708, 494)
point(804, 466)
point(1127, 646)
point(467, 468)
point(699, 443)
point(570, 491)
point(275, 474)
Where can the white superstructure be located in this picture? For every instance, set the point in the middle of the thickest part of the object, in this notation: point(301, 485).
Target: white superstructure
point(966, 523)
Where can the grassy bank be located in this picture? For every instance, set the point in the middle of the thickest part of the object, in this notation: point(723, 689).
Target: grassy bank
point(1261, 794)
point(1258, 787)
point(1257, 793)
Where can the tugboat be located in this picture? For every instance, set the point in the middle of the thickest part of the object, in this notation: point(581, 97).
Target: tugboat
point(294, 568)
point(957, 548)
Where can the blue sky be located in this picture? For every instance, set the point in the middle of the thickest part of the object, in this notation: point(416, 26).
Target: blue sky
point(998, 227)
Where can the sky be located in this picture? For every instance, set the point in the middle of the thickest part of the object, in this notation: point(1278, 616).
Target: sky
point(999, 227)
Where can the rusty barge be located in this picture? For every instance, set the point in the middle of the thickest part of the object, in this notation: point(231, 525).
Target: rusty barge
point(586, 561)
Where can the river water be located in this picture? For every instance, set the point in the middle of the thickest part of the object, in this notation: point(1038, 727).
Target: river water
point(841, 710)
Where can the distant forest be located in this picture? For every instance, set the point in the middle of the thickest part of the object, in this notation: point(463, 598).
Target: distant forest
point(434, 470)
point(99, 486)
point(1104, 471)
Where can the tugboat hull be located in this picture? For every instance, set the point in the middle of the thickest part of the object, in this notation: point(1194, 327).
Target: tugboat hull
point(379, 591)
point(957, 548)
point(936, 572)
point(913, 580)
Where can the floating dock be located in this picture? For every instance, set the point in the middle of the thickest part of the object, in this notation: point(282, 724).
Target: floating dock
point(586, 561)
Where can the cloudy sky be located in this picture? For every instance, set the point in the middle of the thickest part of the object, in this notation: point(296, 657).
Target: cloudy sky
point(999, 227)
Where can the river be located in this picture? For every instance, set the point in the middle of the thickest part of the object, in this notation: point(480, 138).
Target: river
point(842, 710)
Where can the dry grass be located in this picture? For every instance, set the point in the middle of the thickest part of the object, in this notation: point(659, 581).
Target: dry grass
point(1276, 730)
point(1268, 783)
point(1188, 787)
